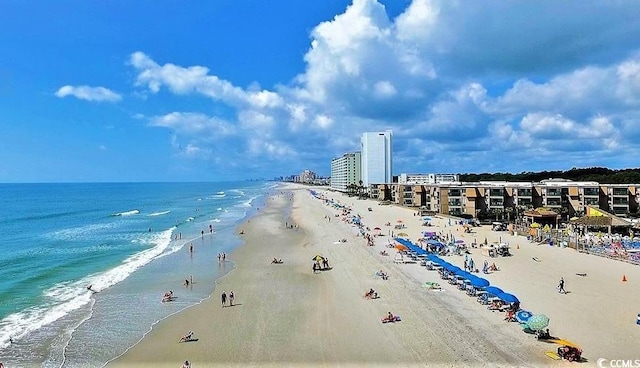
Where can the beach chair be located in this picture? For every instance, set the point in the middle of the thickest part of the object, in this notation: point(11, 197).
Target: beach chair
point(483, 299)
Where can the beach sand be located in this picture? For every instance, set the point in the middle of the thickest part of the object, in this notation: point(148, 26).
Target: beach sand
point(285, 315)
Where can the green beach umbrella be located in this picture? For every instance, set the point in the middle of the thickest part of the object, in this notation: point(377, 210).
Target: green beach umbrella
point(537, 322)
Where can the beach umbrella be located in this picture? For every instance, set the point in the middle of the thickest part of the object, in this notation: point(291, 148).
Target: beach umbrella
point(479, 282)
point(401, 247)
point(523, 315)
point(493, 290)
point(459, 241)
point(399, 221)
point(317, 258)
point(537, 322)
point(426, 218)
point(377, 229)
point(403, 235)
point(509, 298)
point(535, 225)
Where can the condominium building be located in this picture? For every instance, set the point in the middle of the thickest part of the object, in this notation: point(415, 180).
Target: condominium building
point(345, 171)
point(307, 176)
point(506, 200)
point(427, 178)
point(376, 148)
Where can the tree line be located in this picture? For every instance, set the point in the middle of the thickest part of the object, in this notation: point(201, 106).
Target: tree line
point(601, 175)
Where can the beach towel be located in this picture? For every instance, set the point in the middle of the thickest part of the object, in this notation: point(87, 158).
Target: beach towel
point(552, 355)
point(431, 285)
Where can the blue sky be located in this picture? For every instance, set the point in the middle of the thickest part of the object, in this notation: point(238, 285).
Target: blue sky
point(235, 89)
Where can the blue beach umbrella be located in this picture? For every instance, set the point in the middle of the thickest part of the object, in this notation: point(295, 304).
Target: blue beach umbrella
point(466, 275)
point(479, 282)
point(523, 315)
point(426, 218)
point(493, 290)
point(509, 298)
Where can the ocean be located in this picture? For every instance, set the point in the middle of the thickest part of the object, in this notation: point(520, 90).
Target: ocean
point(129, 241)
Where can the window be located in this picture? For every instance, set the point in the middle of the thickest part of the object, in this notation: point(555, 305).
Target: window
point(496, 192)
point(555, 192)
point(524, 192)
point(524, 202)
point(620, 191)
point(591, 201)
point(591, 191)
point(496, 203)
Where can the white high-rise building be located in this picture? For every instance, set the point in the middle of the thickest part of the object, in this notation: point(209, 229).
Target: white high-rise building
point(376, 154)
point(345, 171)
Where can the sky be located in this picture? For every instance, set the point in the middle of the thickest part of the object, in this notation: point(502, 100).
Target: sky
point(158, 90)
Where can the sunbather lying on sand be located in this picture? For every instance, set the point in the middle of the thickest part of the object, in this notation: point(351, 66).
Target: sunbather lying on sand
point(371, 294)
point(390, 318)
point(275, 260)
point(187, 337)
point(384, 253)
point(383, 275)
point(495, 305)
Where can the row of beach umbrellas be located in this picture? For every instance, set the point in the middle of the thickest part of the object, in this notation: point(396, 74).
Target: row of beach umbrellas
point(533, 322)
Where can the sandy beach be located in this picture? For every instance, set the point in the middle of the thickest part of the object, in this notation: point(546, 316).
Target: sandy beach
point(287, 315)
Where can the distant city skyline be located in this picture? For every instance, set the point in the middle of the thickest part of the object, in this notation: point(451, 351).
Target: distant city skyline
point(215, 91)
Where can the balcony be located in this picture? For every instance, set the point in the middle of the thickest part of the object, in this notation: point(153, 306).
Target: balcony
point(620, 192)
point(591, 192)
point(554, 192)
point(455, 202)
point(620, 201)
point(455, 193)
point(524, 192)
point(496, 192)
point(526, 202)
point(496, 203)
point(620, 210)
point(554, 202)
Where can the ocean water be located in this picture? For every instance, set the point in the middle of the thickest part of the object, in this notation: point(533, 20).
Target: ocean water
point(129, 241)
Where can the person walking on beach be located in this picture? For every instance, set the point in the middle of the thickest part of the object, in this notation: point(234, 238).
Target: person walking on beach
point(561, 286)
point(231, 296)
point(223, 298)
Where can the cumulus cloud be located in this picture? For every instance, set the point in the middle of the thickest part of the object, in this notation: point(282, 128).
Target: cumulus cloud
point(545, 79)
point(88, 93)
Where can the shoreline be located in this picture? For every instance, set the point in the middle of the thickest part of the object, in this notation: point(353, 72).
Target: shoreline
point(290, 316)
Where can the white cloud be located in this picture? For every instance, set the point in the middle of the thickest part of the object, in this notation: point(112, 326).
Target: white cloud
point(196, 79)
point(193, 124)
point(88, 93)
point(526, 86)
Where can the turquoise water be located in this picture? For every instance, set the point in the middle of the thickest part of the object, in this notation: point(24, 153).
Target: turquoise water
point(129, 241)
